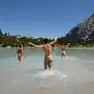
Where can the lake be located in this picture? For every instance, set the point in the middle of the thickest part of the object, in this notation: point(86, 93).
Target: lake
point(73, 74)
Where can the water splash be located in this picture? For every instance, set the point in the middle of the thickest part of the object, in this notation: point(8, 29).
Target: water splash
point(52, 75)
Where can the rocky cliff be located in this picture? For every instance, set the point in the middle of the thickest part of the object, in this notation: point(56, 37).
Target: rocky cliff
point(83, 30)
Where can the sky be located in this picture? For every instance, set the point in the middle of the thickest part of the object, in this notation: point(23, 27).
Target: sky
point(43, 18)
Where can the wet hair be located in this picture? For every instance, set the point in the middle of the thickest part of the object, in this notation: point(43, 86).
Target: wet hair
point(45, 40)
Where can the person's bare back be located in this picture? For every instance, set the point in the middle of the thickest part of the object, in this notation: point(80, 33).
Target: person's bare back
point(63, 51)
point(48, 52)
point(62, 48)
point(20, 53)
point(48, 49)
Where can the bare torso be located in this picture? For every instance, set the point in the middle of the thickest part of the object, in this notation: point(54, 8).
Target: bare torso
point(48, 50)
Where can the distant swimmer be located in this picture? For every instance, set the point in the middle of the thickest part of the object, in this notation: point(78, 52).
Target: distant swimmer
point(48, 52)
point(20, 53)
point(63, 54)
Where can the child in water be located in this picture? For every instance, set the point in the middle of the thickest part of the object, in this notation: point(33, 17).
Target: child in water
point(20, 53)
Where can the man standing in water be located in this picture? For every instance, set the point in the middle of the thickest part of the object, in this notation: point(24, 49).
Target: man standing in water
point(63, 50)
point(48, 52)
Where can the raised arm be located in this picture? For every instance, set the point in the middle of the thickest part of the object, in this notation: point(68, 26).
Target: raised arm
point(35, 45)
point(55, 40)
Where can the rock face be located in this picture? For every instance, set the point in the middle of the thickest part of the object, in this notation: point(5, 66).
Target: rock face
point(83, 30)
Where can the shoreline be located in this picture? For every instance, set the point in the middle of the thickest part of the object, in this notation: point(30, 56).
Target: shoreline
point(54, 47)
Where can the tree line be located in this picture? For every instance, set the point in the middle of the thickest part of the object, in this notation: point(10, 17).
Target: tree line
point(14, 41)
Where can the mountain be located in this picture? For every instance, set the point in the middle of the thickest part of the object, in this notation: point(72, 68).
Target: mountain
point(83, 31)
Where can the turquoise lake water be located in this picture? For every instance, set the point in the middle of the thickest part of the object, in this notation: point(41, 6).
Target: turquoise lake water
point(71, 75)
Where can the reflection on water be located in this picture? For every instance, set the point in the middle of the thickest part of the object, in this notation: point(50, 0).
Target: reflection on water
point(71, 75)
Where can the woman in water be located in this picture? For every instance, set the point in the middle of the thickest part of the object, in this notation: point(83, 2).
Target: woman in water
point(20, 53)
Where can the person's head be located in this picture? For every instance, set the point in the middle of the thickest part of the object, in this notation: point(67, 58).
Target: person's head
point(45, 40)
point(62, 45)
point(20, 46)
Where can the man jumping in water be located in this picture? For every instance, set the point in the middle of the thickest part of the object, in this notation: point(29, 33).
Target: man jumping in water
point(48, 52)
